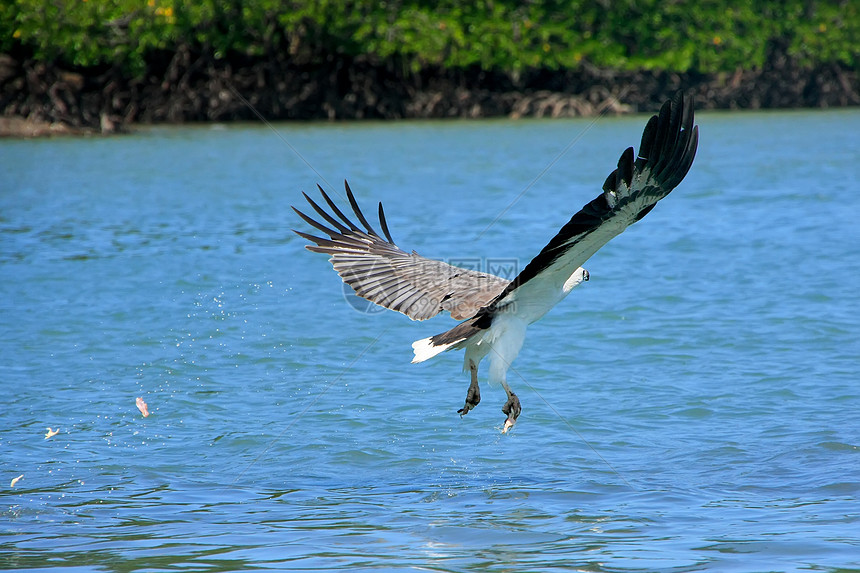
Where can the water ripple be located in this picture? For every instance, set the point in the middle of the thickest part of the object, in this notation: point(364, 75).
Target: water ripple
point(703, 384)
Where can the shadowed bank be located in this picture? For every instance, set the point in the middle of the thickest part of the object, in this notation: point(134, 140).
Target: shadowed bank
point(102, 66)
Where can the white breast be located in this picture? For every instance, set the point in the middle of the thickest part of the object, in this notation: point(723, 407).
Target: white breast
point(534, 299)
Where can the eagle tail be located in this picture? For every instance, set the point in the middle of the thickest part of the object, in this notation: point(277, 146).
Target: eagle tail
point(424, 349)
point(455, 338)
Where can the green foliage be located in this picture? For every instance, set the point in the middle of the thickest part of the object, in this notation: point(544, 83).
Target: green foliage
point(679, 35)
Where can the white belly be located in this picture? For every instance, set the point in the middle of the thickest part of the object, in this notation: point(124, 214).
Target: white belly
point(501, 343)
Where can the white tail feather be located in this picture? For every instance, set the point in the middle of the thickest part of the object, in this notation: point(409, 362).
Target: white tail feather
point(424, 349)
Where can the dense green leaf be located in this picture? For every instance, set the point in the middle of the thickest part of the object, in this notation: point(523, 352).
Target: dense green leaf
point(506, 35)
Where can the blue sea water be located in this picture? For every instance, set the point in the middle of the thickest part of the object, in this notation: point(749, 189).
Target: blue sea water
point(695, 406)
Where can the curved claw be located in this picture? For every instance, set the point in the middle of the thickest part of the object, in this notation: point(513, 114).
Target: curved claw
point(466, 409)
point(512, 409)
point(473, 396)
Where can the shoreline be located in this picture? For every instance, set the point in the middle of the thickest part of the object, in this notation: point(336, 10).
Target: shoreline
point(40, 99)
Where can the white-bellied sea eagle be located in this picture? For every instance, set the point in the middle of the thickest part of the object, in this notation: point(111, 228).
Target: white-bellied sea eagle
point(496, 312)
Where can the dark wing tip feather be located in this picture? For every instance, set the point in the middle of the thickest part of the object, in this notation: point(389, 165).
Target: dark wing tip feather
point(673, 133)
point(384, 224)
point(345, 228)
point(657, 155)
point(314, 223)
point(611, 181)
point(623, 173)
point(337, 211)
point(625, 166)
point(647, 144)
point(669, 148)
point(318, 240)
point(686, 159)
point(355, 209)
point(324, 214)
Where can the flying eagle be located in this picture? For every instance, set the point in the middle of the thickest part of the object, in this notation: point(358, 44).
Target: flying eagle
point(496, 312)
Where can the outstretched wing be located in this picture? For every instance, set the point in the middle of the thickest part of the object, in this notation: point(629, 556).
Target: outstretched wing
point(629, 193)
point(381, 272)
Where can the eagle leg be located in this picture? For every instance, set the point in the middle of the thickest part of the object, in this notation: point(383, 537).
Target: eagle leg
point(473, 395)
point(511, 409)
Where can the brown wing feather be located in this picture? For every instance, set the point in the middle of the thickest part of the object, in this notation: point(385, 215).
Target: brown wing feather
point(381, 272)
